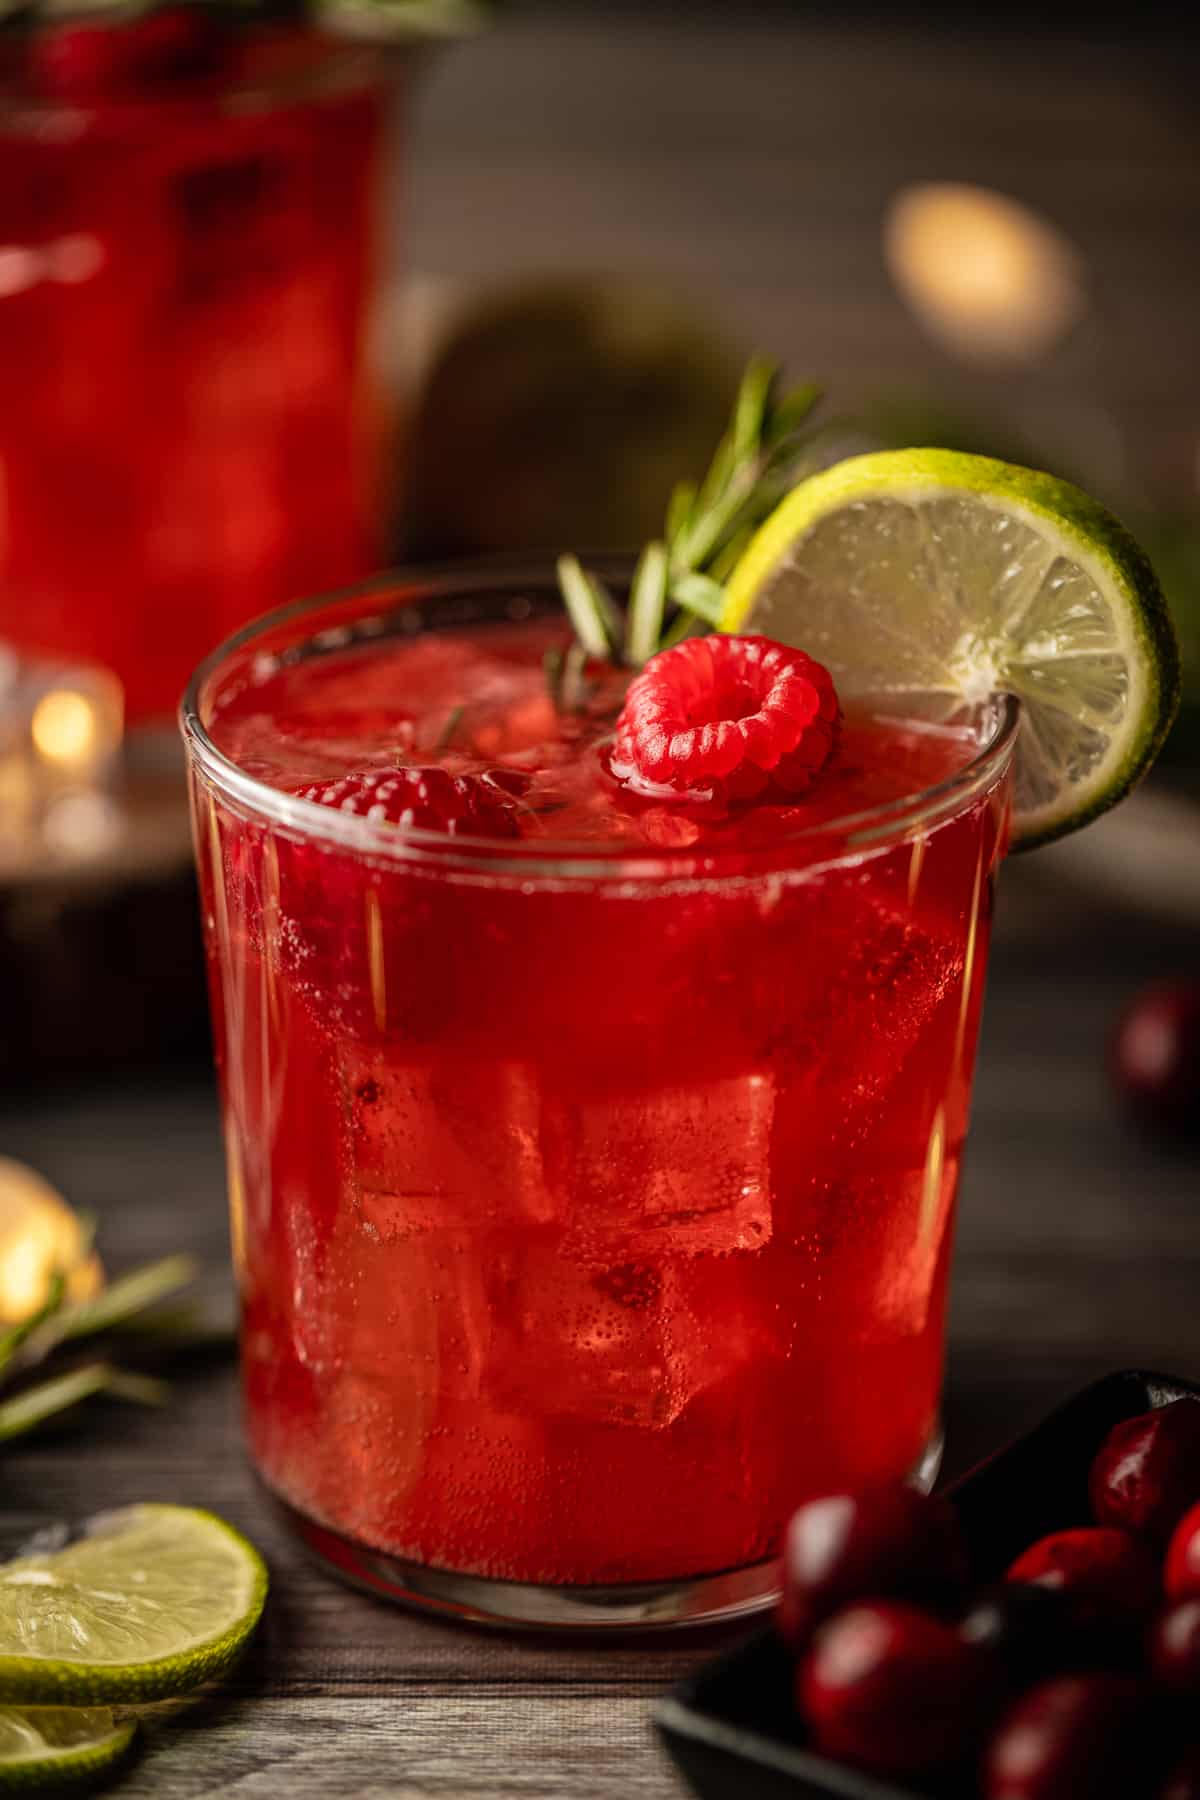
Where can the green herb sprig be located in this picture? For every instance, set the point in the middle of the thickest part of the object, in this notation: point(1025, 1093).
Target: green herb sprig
point(678, 583)
point(129, 1313)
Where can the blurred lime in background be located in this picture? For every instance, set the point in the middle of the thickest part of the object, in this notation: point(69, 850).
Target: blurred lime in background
point(562, 412)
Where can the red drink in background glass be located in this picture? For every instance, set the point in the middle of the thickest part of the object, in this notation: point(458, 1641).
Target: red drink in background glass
point(592, 1190)
point(189, 433)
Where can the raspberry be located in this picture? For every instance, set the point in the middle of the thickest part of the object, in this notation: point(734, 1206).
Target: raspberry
point(419, 800)
point(728, 717)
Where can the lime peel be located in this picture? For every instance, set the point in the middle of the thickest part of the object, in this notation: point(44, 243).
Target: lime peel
point(152, 1600)
point(51, 1747)
point(935, 571)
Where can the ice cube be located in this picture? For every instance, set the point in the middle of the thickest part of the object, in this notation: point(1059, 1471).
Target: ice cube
point(917, 1207)
point(632, 1344)
point(870, 1041)
point(678, 1170)
point(448, 1141)
point(573, 1340)
point(413, 1313)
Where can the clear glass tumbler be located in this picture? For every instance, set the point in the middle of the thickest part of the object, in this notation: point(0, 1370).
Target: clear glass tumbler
point(589, 1211)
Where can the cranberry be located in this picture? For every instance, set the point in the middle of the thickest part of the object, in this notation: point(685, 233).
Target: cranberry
point(894, 1690)
point(1029, 1630)
point(1183, 1783)
point(1155, 1056)
point(1076, 1738)
point(1109, 1578)
point(1147, 1472)
point(1183, 1557)
point(884, 1541)
point(1174, 1647)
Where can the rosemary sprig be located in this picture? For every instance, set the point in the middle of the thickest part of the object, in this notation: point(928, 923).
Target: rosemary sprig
point(594, 613)
point(130, 1307)
point(678, 585)
point(17, 1335)
point(48, 1398)
point(445, 737)
point(130, 1295)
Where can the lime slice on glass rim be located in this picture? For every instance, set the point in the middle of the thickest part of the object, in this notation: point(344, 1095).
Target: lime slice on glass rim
point(149, 1601)
point(57, 1746)
point(931, 573)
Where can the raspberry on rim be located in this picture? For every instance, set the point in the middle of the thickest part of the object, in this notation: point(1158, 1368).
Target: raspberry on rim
point(416, 799)
point(734, 717)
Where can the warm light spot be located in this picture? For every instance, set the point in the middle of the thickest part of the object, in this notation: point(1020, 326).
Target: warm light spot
point(931, 1184)
point(272, 936)
point(20, 269)
point(16, 798)
point(82, 824)
point(237, 1198)
point(985, 275)
point(916, 862)
point(65, 727)
point(39, 1237)
point(375, 959)
point(968, 974)
point(220, 906)
point(75, 259)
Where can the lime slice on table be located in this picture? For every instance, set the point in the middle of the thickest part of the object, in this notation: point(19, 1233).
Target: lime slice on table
point(150, 1601)
point(934, 573)
point(53, 1746)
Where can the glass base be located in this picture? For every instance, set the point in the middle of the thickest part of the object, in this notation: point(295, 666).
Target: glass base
point(629, 1606)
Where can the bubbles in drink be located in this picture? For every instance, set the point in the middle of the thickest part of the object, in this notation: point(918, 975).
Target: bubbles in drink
point(592, 1215)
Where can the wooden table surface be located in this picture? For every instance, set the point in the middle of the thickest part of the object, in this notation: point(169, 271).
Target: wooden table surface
point(1079, 1249)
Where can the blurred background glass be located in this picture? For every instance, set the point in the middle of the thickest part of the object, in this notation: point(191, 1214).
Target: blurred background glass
point(191, 431)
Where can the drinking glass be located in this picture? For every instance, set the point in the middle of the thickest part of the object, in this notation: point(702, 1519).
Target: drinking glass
point(589, 1210)
point(190, 431)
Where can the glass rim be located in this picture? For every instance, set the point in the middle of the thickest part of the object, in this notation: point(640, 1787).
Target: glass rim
point(349, 65)
point(849, 837)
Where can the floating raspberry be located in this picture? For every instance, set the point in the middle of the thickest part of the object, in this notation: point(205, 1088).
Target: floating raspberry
point(420, 800)
point(730, 717)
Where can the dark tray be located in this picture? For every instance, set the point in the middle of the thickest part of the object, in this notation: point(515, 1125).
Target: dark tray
point(732, 1727)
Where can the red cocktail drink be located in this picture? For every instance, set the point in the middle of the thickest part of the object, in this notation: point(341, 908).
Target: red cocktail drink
point(593, 1168)
point(187, 260)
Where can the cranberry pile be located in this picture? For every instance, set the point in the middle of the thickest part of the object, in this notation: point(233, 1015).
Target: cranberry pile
point(1075, 1678)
